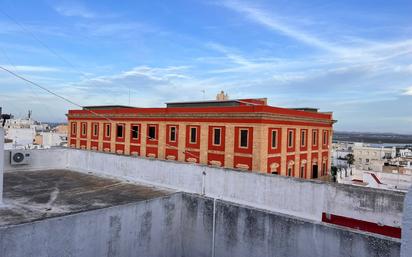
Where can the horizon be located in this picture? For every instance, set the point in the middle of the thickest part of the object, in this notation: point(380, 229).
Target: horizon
point(353, 59)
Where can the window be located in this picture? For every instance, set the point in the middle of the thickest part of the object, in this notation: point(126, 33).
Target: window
point(74, 126)
point(325, 137)
point(274, 138)
point(324, 169)
point(193, 135)
point(217, 136)
point(315, 137)
point(172, 134)
point(107, 129)
point(290, 138)
point(152, 132)
point(119, 130)
point(95, 129)
point(302, 171)
point(244, 136)
point(290, 171)
point(135, 132)
point(83, 129)
point(303, 138)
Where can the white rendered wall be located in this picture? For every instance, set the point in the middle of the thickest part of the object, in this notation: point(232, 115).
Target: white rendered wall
point(302, 198)
point(1, 163)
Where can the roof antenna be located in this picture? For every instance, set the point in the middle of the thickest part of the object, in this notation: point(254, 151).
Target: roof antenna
point(204, 94)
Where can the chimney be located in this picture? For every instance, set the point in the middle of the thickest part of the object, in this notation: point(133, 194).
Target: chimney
point(222, 96)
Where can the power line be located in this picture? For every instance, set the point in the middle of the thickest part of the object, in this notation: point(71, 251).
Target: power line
point(78, 105)
point(26, 30)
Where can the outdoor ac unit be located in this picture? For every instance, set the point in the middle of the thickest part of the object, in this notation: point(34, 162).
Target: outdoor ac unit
point(19, 157)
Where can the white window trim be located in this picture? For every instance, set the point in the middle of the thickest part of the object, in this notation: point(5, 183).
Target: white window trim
point(95, 132)
point(84, 131)
point(214, 134)
point(108, 130)
point(148, 134)
point(190, 135)
point(315, 137)
point(240, 138)
point(292, 139)
point(123, 130)
point(138, 131)
point(170, 133)
point(303, 134)
point(276, 140)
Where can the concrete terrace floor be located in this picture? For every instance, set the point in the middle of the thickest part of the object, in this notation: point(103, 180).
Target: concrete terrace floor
point(35, 195)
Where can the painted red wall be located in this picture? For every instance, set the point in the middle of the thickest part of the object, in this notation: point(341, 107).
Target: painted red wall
point(188, 144)
point(220, 147)
point(216, 157)
point(249, 148)
point(242, 160)
point(279, 141)
point(154, 141)
point(172, 143)
point(272, 160)
point(292, 148)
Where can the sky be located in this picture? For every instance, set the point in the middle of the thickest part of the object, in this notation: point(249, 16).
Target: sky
point(353, 58)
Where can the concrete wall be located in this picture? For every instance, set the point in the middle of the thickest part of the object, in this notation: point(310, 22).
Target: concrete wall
point(187, 225)
point(301, 198)
point(243, 231)
point(149, 228)
point(407, 226)
point(248, 232)
point(43, 159)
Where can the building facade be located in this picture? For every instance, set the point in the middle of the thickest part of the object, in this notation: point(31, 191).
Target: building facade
point(242, 134)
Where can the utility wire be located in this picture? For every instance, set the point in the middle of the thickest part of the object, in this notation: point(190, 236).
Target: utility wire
point(78, 105)
point(26, 30)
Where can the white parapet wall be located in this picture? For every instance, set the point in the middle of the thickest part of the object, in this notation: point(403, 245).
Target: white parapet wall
point(302, 198)
point(1, 164)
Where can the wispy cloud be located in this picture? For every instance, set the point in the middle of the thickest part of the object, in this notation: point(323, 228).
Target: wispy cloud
point(74, 9)
point(27, 68)
point(272, 22)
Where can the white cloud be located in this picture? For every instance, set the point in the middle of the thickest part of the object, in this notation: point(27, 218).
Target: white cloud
point(74, 9)
point(27, 68)
point(408, 91)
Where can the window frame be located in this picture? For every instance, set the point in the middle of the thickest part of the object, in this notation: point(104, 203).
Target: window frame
point(274, 139)
point(214, 136)
point(132, 131)
point(108, 130)
point(84, 128)
point(325, 137)
point(74, 128)
point(291, 140)
point(95, 128)
point(122, 130)
point(170, 134)
point(155, 132)
point(191, 129)
point(315, 137)
point(240, 138)
point(303, 138)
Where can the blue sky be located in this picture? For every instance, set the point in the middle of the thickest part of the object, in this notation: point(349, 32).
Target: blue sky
point(350, 57)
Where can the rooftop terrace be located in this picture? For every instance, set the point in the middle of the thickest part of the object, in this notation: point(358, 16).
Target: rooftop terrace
point(37, 195)
point(69, 202)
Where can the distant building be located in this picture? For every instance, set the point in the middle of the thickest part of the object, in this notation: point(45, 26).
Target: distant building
point(242, 134)
point(368, 157)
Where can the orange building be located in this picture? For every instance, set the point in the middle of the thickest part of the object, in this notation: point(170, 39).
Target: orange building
point(242, 134)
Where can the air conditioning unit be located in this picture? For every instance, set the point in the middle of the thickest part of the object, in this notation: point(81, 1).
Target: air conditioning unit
point(19, 157)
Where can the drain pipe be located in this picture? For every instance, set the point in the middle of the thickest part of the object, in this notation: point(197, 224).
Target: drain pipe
point(1, 163)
